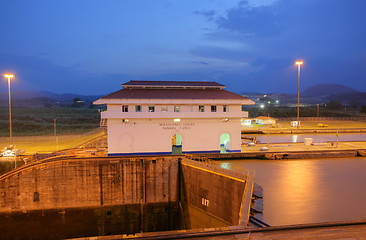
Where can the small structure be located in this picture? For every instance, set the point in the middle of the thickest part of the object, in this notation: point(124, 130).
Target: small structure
point(246, 122)
point(165, 117)
point(295, 123)
point(262, 120)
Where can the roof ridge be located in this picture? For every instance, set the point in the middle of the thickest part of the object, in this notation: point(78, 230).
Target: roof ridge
point(173, 83)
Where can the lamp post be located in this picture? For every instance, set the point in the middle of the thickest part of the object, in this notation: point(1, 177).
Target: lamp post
point(298, 93)
point(9, 76)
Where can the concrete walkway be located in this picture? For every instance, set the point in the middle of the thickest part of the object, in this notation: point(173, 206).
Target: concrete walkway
point(355, 230)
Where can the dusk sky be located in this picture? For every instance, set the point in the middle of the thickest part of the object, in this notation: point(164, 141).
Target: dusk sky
point(90, 47)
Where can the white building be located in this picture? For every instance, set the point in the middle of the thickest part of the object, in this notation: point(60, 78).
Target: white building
point(165, 117)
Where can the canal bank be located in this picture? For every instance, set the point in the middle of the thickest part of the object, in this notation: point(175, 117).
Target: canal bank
point(291, 151)
point(266, 130)
point(327, 231)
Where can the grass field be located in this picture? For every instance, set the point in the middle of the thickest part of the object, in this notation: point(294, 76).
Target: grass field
point(47, 144)
point(40, 121)
point(33, 128)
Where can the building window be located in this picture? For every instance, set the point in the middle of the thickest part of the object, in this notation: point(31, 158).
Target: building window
point(124, 108)
point(224, 108)
point(213, 108)
point(176, 108)
point(164, 108)
point(151, 108)
point(201, 108)
point(138, 108)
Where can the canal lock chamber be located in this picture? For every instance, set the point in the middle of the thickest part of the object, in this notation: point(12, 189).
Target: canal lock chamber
point(79, 197)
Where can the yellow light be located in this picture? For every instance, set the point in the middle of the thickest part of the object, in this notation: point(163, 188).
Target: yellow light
point(299, 62)
point(8, 75)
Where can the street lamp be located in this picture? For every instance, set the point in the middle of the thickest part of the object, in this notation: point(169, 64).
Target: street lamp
point(298, 93)
point(9, 76)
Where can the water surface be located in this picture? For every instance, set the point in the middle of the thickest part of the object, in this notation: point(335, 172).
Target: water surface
point(309, 190)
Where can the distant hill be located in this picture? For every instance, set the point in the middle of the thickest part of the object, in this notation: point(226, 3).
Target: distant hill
point(323, 90)
point(43, 98)
point(353, 99)
point(318, 94)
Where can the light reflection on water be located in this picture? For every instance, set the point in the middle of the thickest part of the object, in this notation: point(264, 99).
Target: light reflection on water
point(309, 190)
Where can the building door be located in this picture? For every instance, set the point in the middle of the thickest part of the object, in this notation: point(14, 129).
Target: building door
point(224, 143)
point(177, 144)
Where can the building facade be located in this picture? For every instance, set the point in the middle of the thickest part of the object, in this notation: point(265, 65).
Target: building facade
point(173, 117)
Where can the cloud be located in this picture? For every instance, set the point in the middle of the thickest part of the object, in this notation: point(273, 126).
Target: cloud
point(250, 21)
point(210, 15)
point(34, 73)
point(200, 63)
point(328, 35)
point(221, 53)
point(303, 24)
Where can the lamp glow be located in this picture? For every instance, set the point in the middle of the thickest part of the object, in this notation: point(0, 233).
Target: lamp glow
point(9, 76)
point(298, 63)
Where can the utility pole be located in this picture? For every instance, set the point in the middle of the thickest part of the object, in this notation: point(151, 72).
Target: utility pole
point(55, 133)
point(298, 93)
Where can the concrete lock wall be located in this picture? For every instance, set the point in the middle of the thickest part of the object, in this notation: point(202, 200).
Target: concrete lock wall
point(211, 197)
point(100, 196)
point(79, 197)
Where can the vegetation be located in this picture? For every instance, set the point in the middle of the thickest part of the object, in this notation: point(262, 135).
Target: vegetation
point(363, 109)
point(40, 121)
point(333, 104)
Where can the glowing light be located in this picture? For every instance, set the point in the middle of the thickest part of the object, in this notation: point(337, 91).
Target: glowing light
point(176, 119)
point(299, 62)
point(10, 132)
point(262, 105)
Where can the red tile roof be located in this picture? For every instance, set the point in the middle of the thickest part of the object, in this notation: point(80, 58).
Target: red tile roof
point(135, 83)
point(141, 93)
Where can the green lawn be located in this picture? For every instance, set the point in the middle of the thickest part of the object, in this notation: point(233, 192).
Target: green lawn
point(33, 128)
point(40, 121)
point(47, 143)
